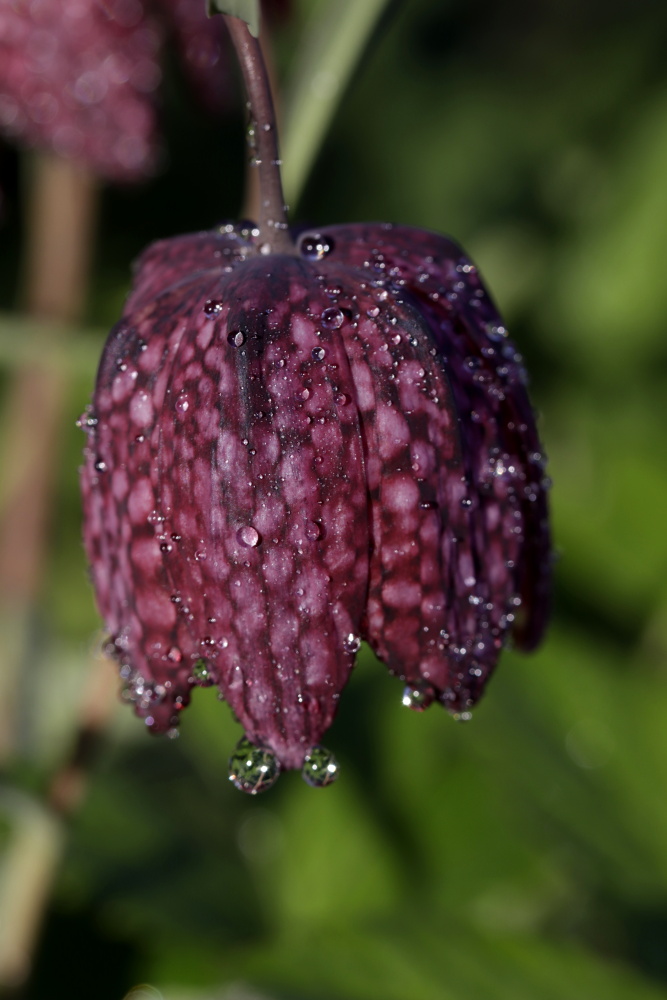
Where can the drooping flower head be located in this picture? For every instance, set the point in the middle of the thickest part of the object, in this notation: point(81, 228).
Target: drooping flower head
point(290, 454)
point(296, 447)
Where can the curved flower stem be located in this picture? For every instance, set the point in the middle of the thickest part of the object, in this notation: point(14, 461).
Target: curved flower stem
point(251, 193)
point(274, 235)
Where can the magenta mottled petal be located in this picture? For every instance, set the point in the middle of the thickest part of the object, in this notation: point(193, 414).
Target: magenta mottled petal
point(498, 560)
point(290, 453)
point(165, 263)
point(246, 472)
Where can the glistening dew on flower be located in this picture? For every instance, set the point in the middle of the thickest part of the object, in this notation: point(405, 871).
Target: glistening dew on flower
point(298, 444)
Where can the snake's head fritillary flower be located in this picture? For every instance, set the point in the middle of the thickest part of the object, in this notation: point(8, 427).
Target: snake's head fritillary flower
point(289, 454)
point(299, 443)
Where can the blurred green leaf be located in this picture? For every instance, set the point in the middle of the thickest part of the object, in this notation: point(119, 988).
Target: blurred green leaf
point(434, 958)
point(352, 865)
point(336, 35)
point(608, 503)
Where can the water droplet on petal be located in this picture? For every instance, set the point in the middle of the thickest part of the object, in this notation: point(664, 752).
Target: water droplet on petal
point(495, 331)
point(320, 767)
point(317, 353)
point(313, 530)
point(351, 643)
point(248, 536)
point(341, 399)
point(332, 318)
point(212, 307)
point(236, 338)
point(201, 673)
point(315, 246)
point(100, 465)
point(182, 404)
point(87, 421)
point(418, 696)
point(459, 715)
point(251, 768)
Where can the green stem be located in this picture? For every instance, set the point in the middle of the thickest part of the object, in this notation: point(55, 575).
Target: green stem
point(274, 234)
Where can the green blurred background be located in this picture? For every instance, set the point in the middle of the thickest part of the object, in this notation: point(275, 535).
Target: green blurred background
point(524, 854)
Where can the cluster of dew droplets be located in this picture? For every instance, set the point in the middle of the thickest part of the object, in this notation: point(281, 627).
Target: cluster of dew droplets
point(254, 769)
point(146, 696)
point(149, 697)
point(88, 421)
